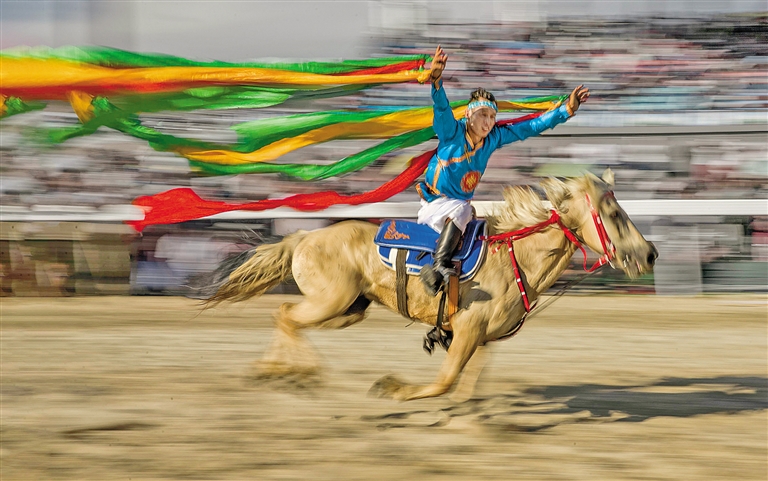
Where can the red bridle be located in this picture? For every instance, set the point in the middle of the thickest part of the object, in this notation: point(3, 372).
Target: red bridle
point(508, 238)
point(609, 250)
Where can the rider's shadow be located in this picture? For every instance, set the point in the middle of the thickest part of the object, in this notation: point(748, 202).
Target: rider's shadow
point(541, 408)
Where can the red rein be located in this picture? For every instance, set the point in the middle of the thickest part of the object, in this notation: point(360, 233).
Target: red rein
point(509, 238)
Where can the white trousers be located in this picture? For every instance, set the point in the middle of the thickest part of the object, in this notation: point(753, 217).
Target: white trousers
point(436, 212)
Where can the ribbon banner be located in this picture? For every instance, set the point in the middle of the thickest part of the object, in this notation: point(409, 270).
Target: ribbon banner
point(112, 88)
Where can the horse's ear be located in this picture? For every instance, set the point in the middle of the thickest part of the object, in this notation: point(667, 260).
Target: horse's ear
point(608, 177)
point(557, 192)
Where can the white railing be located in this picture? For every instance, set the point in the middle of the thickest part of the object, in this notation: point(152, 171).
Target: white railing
point(404, 210)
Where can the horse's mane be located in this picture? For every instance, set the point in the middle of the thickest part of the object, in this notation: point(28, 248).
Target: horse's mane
point(523, 206)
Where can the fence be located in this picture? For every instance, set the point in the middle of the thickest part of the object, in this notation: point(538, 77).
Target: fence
point(704, 245)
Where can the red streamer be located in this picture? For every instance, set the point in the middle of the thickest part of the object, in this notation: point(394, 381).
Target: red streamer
point(183, 204)
point(394, 68)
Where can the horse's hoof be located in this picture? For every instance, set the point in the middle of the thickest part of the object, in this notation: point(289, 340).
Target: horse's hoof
point(387, 387)
point(285, 378)
point(267, 369)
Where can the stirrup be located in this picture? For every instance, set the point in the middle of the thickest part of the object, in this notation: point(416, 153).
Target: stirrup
point(446, 272)
point(431, 279)
point(437, 336)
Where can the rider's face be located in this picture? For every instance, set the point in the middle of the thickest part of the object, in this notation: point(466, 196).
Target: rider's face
point(481, 121)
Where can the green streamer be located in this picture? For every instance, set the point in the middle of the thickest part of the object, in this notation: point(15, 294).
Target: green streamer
point(15, 106)
point(319, 172)
point(215, 98)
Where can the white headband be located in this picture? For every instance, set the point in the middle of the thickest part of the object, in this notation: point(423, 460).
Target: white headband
point(478, 104)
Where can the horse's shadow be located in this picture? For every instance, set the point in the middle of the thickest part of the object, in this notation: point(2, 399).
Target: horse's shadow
point(541, 408)
point(725, 394)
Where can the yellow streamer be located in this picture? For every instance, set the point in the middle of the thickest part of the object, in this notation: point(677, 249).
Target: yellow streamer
point(81, 104)
point(386, 126)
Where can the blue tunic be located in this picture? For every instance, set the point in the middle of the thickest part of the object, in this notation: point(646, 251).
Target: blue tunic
point(455, 170)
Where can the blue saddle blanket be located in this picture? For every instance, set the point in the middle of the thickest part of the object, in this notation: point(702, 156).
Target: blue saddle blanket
point(420, 241)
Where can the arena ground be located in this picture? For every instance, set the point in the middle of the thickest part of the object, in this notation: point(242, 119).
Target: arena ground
point(594, 388)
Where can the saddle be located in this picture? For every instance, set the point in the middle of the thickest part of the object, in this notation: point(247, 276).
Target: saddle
point(419, 242)
point(406, 247)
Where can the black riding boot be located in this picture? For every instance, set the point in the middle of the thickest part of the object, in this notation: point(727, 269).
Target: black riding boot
point(435, 276)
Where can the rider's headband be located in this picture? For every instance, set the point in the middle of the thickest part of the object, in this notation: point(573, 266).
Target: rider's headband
point(478, 104)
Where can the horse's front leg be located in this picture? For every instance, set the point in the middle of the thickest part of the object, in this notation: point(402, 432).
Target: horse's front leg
point(466, 338)
point(465, 387)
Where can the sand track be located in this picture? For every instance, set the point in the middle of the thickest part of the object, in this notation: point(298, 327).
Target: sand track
point(595, 388)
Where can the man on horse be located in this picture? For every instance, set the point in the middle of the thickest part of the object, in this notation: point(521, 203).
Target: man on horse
point(464, 147)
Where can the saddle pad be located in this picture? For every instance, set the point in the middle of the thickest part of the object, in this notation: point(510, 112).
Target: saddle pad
point(405, 234)
point(471, 254)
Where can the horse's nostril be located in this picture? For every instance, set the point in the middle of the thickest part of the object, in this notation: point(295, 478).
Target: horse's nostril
point(653, 255)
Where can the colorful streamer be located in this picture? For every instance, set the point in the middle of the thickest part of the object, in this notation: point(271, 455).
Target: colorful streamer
point(135, 82)
point(183, 204)
point(52, 78)
point(268, 139)
point(14, 106)
point(346, 165)
point(111, 88)
point(180, 205)
point(116, 58)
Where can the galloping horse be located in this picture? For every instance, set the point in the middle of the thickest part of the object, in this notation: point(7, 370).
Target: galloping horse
point(340, 273)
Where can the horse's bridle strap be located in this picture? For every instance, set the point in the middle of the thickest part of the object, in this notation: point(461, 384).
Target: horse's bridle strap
point(508, 238)
point(609, 250)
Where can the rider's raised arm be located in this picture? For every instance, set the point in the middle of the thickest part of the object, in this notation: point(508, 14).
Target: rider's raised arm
point(537, 125)
point(445, 124)
point(532, 127)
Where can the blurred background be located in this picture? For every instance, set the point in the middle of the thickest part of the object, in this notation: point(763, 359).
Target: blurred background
point(679, 111)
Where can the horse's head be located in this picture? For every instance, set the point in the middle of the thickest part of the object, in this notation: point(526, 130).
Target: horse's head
point(587, 206)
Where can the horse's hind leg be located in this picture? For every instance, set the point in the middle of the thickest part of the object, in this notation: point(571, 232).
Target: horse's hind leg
point(290, 351)
point(322, 313)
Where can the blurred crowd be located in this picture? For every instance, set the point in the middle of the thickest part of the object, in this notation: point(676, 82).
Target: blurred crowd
point(644, 73)
point(634, 65)
point(678, 111)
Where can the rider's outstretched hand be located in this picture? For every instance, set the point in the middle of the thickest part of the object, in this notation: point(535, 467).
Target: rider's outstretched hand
point(438, 63)
point(580, 94)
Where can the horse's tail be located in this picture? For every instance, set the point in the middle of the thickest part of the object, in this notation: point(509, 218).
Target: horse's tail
point(253, 272)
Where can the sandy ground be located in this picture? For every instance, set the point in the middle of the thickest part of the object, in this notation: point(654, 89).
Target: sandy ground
point(594, 388)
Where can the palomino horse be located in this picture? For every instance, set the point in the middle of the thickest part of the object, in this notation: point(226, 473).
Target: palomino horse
point(339, 272)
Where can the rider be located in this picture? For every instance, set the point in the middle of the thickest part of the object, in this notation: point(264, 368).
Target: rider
point(464, 147)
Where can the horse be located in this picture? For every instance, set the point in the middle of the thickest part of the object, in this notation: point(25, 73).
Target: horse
point(339, 272)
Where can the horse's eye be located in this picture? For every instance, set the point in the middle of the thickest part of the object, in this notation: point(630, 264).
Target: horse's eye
point(614, 215)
